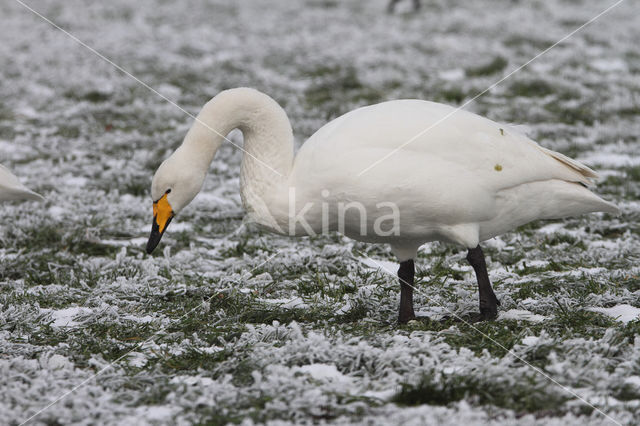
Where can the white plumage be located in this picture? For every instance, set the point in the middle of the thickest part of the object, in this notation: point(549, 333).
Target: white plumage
point(465, 180)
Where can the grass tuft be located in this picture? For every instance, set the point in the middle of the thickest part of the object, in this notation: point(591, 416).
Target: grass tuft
point(525, 394)
point(531, 88)
point(496, 65)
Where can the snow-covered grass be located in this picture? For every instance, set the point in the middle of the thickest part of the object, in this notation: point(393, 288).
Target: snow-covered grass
point(221, 327)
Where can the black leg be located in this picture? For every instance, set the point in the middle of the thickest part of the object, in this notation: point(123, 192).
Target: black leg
point(392, 5)
point(416, 5)
point(488, 300)
point(406, 274)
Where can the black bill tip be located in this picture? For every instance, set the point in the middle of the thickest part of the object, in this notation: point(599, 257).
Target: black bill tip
point(156, 235)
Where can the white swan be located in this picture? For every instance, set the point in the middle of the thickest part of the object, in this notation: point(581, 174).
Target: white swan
point(465, 180)
point(11, 189)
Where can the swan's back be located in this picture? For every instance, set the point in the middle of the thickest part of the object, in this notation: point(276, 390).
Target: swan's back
point(441, 131)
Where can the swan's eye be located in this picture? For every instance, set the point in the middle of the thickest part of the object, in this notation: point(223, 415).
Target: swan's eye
point(168, 191)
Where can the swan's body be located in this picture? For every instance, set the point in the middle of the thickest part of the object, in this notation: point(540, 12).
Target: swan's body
point(11, 189)
point(464, 180)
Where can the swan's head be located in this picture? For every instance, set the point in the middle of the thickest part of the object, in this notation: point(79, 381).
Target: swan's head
point(174, 185)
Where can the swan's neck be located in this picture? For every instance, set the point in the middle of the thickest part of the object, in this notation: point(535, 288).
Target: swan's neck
point(268, 144)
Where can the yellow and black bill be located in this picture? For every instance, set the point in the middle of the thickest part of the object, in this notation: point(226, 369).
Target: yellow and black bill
point(162, 215)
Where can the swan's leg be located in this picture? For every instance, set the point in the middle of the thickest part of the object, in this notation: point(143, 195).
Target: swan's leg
point(392, 6)
point(488, 300)
point(416, 5)
point(406, 274)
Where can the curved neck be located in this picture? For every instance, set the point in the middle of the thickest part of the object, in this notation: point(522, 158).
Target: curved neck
point(268, 142)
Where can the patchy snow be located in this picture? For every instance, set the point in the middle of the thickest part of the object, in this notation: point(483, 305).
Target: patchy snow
point(521, 314)
point(609, 245)
point(327, 372)
point(633, 380)
point(453, 74)
point(611, 159)
point(143, 319)
point(54, 362)
point(296, 302)
point(533, 263)
point(530, 340)
point(153, 414)
point(434, 312)
point(58, 212)
point(344, 308)
point(609, 64)
point(139, 242)
point(136, 359)
point(580, 272)
point(623, 313)
point(382, 265)
point(212, 349)
point(383, 395)
point(65, 317)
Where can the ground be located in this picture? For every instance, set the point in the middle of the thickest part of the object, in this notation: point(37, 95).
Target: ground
point(228, 324)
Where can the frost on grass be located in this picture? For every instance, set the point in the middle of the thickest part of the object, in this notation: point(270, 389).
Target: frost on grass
point(205, 331)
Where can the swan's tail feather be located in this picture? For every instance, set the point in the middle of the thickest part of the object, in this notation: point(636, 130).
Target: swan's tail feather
point(20, 193)
point(610, 208)
point(31, 195)
point(11, 189)
point(587, 175)
point(584, 173)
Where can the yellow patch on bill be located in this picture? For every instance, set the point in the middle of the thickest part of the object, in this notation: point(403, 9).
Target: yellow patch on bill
point(497, 168)
point(162, 212)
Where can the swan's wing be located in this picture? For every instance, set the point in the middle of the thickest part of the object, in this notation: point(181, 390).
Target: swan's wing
point(11, 189)
point(496, 154)
point(425, 189)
